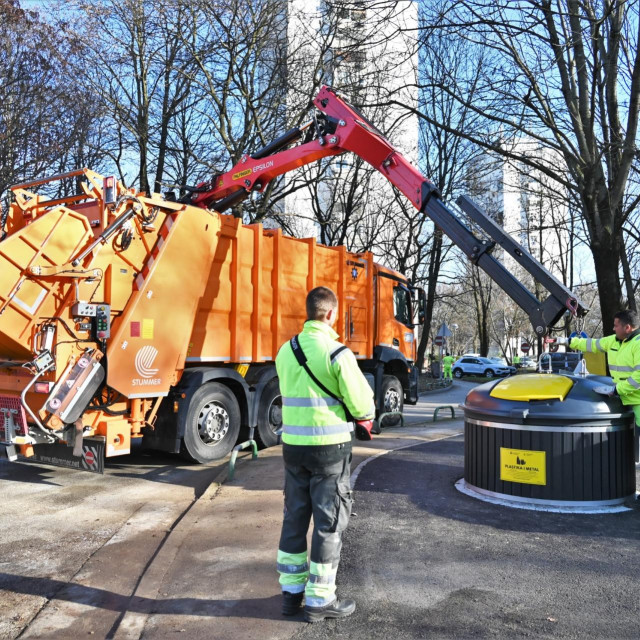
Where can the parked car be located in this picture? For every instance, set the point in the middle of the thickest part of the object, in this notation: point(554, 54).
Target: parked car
point(527, 362)
point(476, 366)
point(504, 363)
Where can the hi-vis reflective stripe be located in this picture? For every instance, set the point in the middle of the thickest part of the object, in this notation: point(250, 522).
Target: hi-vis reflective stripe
point(370, 415)
point(310, 402)
point(328, 579)
point(634, 383)
point(590, 342)
point(598, 346)
point(319, 602)
point(615, 367)
point(338, 353)
point(293, 568)
point(327, 430)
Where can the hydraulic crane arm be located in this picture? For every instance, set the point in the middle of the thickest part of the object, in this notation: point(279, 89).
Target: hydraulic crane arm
point(340, 127)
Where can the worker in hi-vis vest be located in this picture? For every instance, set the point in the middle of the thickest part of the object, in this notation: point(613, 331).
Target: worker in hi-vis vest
point(321, 384)
point(516, 361)
point(447, 362)
point(623, 358)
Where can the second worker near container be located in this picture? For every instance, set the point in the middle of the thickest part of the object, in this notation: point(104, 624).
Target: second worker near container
point(623, 357)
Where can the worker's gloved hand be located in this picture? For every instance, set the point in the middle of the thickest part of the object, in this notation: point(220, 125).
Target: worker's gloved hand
point(363, 429)
point(605, 390)
point(562, 340)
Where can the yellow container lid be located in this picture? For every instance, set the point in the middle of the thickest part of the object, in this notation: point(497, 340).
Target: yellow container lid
point(533, 386)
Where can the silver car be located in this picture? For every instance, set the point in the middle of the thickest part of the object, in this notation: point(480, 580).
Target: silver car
point(504, 363)
point(477, 366)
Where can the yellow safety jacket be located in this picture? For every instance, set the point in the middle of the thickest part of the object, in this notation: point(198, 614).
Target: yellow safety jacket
point(624, 362)
point(309, 417)
point(447, 361)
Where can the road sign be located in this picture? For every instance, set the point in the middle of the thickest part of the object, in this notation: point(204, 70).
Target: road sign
point(443, 331)
point(439, 341)
point(524, 347)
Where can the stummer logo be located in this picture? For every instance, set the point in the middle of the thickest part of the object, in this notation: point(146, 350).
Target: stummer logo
point(144, 360)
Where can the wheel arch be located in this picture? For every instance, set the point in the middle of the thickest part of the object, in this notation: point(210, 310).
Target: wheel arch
point(394, 363)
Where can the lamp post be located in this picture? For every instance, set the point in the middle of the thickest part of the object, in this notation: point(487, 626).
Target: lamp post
point(453, 348)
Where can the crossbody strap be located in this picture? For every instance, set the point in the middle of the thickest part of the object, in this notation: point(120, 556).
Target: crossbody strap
point(302, 361)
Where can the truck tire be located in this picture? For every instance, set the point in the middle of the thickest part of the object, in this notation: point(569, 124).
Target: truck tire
point(457, 373)
point(392, 399)
point(269, 414)
point(212, 425)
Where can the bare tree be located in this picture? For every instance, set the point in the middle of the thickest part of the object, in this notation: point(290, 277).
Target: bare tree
point(48, 124)
point(138, 69)
point(565, 73)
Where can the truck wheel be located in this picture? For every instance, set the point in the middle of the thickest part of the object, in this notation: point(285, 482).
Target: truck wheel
point(269, 414)
point(213, 423)
point(457, 373)
point(393, 399)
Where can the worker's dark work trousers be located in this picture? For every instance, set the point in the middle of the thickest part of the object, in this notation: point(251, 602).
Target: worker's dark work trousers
point(324, 492)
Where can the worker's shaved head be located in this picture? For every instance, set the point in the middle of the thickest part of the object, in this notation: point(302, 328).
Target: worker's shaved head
point(320, 301)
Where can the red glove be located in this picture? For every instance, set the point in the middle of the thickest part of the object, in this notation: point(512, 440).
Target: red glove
point(363, 429)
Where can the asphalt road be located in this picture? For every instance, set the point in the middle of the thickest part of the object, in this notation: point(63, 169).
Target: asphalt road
point(424, 561)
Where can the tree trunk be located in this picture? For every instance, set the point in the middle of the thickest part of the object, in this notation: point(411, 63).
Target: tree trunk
point(606, 252)
point(628, 280)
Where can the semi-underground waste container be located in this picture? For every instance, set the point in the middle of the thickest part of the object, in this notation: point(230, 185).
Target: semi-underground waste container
point(547, 440)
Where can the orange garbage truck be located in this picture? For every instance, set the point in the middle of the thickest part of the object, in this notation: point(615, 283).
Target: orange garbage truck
point(140, 319)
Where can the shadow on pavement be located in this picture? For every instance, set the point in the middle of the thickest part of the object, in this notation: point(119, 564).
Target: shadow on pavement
point(259, 608)
point(153, 466)
point(29, 473)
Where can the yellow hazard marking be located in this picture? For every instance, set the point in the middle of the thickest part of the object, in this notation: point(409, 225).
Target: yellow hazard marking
point(241, 174)
point(147, 328)
point(242, 369)
point(520, 465)
point(221, 182)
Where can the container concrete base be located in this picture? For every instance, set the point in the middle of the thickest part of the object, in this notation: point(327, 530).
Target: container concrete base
point(552, 506)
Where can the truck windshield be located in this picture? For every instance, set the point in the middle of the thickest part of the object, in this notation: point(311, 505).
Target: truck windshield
point(402, 305)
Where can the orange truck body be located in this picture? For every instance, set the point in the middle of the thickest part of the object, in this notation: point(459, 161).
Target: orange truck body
point(185, 297)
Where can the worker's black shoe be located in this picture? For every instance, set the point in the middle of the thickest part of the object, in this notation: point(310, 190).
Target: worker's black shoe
point(337, 609)
point(291, 603)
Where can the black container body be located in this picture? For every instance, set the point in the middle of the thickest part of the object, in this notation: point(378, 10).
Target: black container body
point(587, 440)
point(579, 466)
